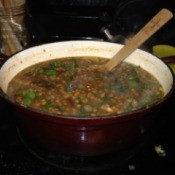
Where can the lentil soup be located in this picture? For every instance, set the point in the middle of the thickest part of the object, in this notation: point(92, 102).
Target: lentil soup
point(75, 86)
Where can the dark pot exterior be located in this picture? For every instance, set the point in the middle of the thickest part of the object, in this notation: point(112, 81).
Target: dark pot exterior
point(88, 137)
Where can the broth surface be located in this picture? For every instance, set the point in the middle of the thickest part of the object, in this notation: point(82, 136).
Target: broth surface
point(75, 86)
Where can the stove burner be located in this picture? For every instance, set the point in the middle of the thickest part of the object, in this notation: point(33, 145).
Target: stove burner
point(82, 164)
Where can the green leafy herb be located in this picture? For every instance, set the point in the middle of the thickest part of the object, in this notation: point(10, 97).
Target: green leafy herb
point(61, 107)
point(47, 105)
point(72, 65)
point(56, 64)
point(51, 72)
point(29, 96)
point(22, 91)
point(104, 97)
point(133, 84)
point(143, 86)
point(132, 76)
point(109, 87)
point(82, 113)
point(68, 77)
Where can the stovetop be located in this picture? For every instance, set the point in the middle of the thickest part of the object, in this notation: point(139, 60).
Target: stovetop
point(50, 24)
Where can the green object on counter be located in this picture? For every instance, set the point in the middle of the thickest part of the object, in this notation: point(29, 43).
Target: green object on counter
point(172, 65)
point(163, 50)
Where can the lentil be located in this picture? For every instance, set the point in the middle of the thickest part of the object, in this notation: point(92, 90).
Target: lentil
point(75, 86)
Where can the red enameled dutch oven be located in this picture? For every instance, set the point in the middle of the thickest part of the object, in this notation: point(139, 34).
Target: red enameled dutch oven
point(84, 136)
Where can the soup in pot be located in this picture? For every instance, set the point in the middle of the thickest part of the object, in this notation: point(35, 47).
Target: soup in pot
point(77, 87)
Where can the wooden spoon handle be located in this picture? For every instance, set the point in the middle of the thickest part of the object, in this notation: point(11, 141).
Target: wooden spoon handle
point(161, 18)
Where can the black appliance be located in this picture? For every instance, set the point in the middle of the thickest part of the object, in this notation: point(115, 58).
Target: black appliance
point(106, 20)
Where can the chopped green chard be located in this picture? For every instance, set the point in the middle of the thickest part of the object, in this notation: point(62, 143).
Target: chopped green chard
point(74, 86)
point(48, 104)
point(51, 72)
point(132, 76)
point(29, 96)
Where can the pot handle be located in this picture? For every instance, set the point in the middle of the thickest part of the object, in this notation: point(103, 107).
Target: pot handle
point(169, 59)
point(3, 58)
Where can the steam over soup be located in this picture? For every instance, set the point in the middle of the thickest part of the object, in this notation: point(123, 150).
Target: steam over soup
point(75, 86)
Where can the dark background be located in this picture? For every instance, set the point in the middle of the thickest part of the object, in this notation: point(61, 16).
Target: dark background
point(54, 20)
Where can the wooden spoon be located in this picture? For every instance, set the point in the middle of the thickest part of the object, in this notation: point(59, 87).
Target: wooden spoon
point(161, 18)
